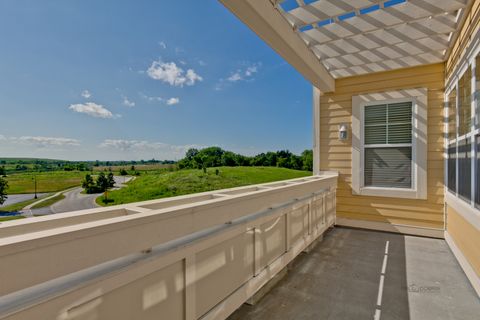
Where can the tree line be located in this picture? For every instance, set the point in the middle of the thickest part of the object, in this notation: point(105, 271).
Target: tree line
point(216, 157)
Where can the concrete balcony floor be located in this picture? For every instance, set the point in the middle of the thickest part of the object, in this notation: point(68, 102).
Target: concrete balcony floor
point(359, 274)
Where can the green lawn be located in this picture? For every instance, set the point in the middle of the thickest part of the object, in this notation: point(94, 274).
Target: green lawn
point(49, 202)
point(46, 181)
point(2, 219)
point(155, 185)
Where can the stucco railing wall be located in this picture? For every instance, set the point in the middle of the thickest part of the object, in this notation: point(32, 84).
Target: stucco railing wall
point(191, 257)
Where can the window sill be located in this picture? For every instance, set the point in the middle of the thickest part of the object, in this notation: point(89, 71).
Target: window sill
point(389, 193)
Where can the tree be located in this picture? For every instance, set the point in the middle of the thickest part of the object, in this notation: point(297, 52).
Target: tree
point(88, 183)
point(123, 172)
point(228, 159)
point(307, 159)
point(3, 172)
point(103, 182)
point(111, 180)
point(3, 190)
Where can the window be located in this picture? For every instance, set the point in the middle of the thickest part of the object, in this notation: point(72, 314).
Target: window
point(452, 167)
point(477, 92)
point(464, 168)
point(452, 144)
point(388, 145)
point(477, 173)
point(465, 102)
point(389, 157)
point(463, 139)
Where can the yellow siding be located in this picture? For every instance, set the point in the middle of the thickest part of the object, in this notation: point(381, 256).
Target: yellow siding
point(465, 37)
point(466, 237)
point(336, 108)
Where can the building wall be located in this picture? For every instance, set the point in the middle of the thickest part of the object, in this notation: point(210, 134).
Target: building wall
point(464, 234)
point(336, 108)
point(465, 38)
point(466, 237)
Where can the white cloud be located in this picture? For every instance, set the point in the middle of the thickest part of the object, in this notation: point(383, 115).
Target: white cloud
point(169, 102)
point(127, 102)
point(235, 77)
point(202, 63)
point(139, 146)
point(151, 98)
point(86, 94)
point(172, 101)
point(245, 73)
point(162, 44)
point(128, 144)
point(172, 74)
point(251, 70)
point(2, 137)
point(46, 141)
point(92, 109)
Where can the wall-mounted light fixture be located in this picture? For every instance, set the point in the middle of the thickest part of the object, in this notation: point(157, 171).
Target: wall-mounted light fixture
point(343, 132)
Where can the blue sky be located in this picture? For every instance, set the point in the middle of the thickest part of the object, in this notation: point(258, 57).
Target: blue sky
point(122, 80)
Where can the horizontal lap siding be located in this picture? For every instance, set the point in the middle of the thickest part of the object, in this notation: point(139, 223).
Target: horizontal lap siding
point(336, 108)
point(465, 37)
point(465, 235)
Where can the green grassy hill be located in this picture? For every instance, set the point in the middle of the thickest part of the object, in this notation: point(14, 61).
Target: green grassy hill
point(155, 185)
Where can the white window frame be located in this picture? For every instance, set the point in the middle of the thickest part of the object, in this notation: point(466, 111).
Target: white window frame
point(418, 98)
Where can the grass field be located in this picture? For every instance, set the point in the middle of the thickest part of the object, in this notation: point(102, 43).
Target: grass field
point(2, 219)
point(46, 181)
point(49, 202)
point(138, 167)
point(155, 185)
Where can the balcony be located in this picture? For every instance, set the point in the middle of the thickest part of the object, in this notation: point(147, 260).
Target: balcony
point(188, 257)
point(202, 256)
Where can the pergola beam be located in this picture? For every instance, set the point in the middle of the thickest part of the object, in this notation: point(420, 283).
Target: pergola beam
point(392, 64)
point(269, 24)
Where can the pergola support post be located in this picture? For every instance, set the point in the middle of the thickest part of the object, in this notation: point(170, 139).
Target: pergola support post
point(316, 129)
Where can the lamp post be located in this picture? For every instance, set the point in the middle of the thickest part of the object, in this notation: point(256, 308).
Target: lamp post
point(35, 179)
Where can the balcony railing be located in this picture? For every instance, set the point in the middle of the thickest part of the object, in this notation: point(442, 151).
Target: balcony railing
point(198, 256)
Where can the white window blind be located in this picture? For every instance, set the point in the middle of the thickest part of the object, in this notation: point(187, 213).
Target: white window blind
point(388, 145)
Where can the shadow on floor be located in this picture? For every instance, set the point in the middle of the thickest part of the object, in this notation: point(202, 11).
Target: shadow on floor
point(360, 274)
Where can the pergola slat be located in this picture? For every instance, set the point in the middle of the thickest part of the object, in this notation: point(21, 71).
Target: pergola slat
point(363, 44)
point(413, 9)
point(362, 36)
point(439, 24)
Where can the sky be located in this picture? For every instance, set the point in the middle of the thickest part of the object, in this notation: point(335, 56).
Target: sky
point(142, 79)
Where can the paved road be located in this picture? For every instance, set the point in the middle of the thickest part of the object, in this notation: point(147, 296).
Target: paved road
point(75, 200)
point(15, 198)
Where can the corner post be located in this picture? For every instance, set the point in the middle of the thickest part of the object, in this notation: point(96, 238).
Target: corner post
point(316, 130)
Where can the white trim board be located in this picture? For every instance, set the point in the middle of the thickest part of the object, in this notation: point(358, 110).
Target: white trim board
point(462, 260)
point(389, 227)
point(316, 96)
